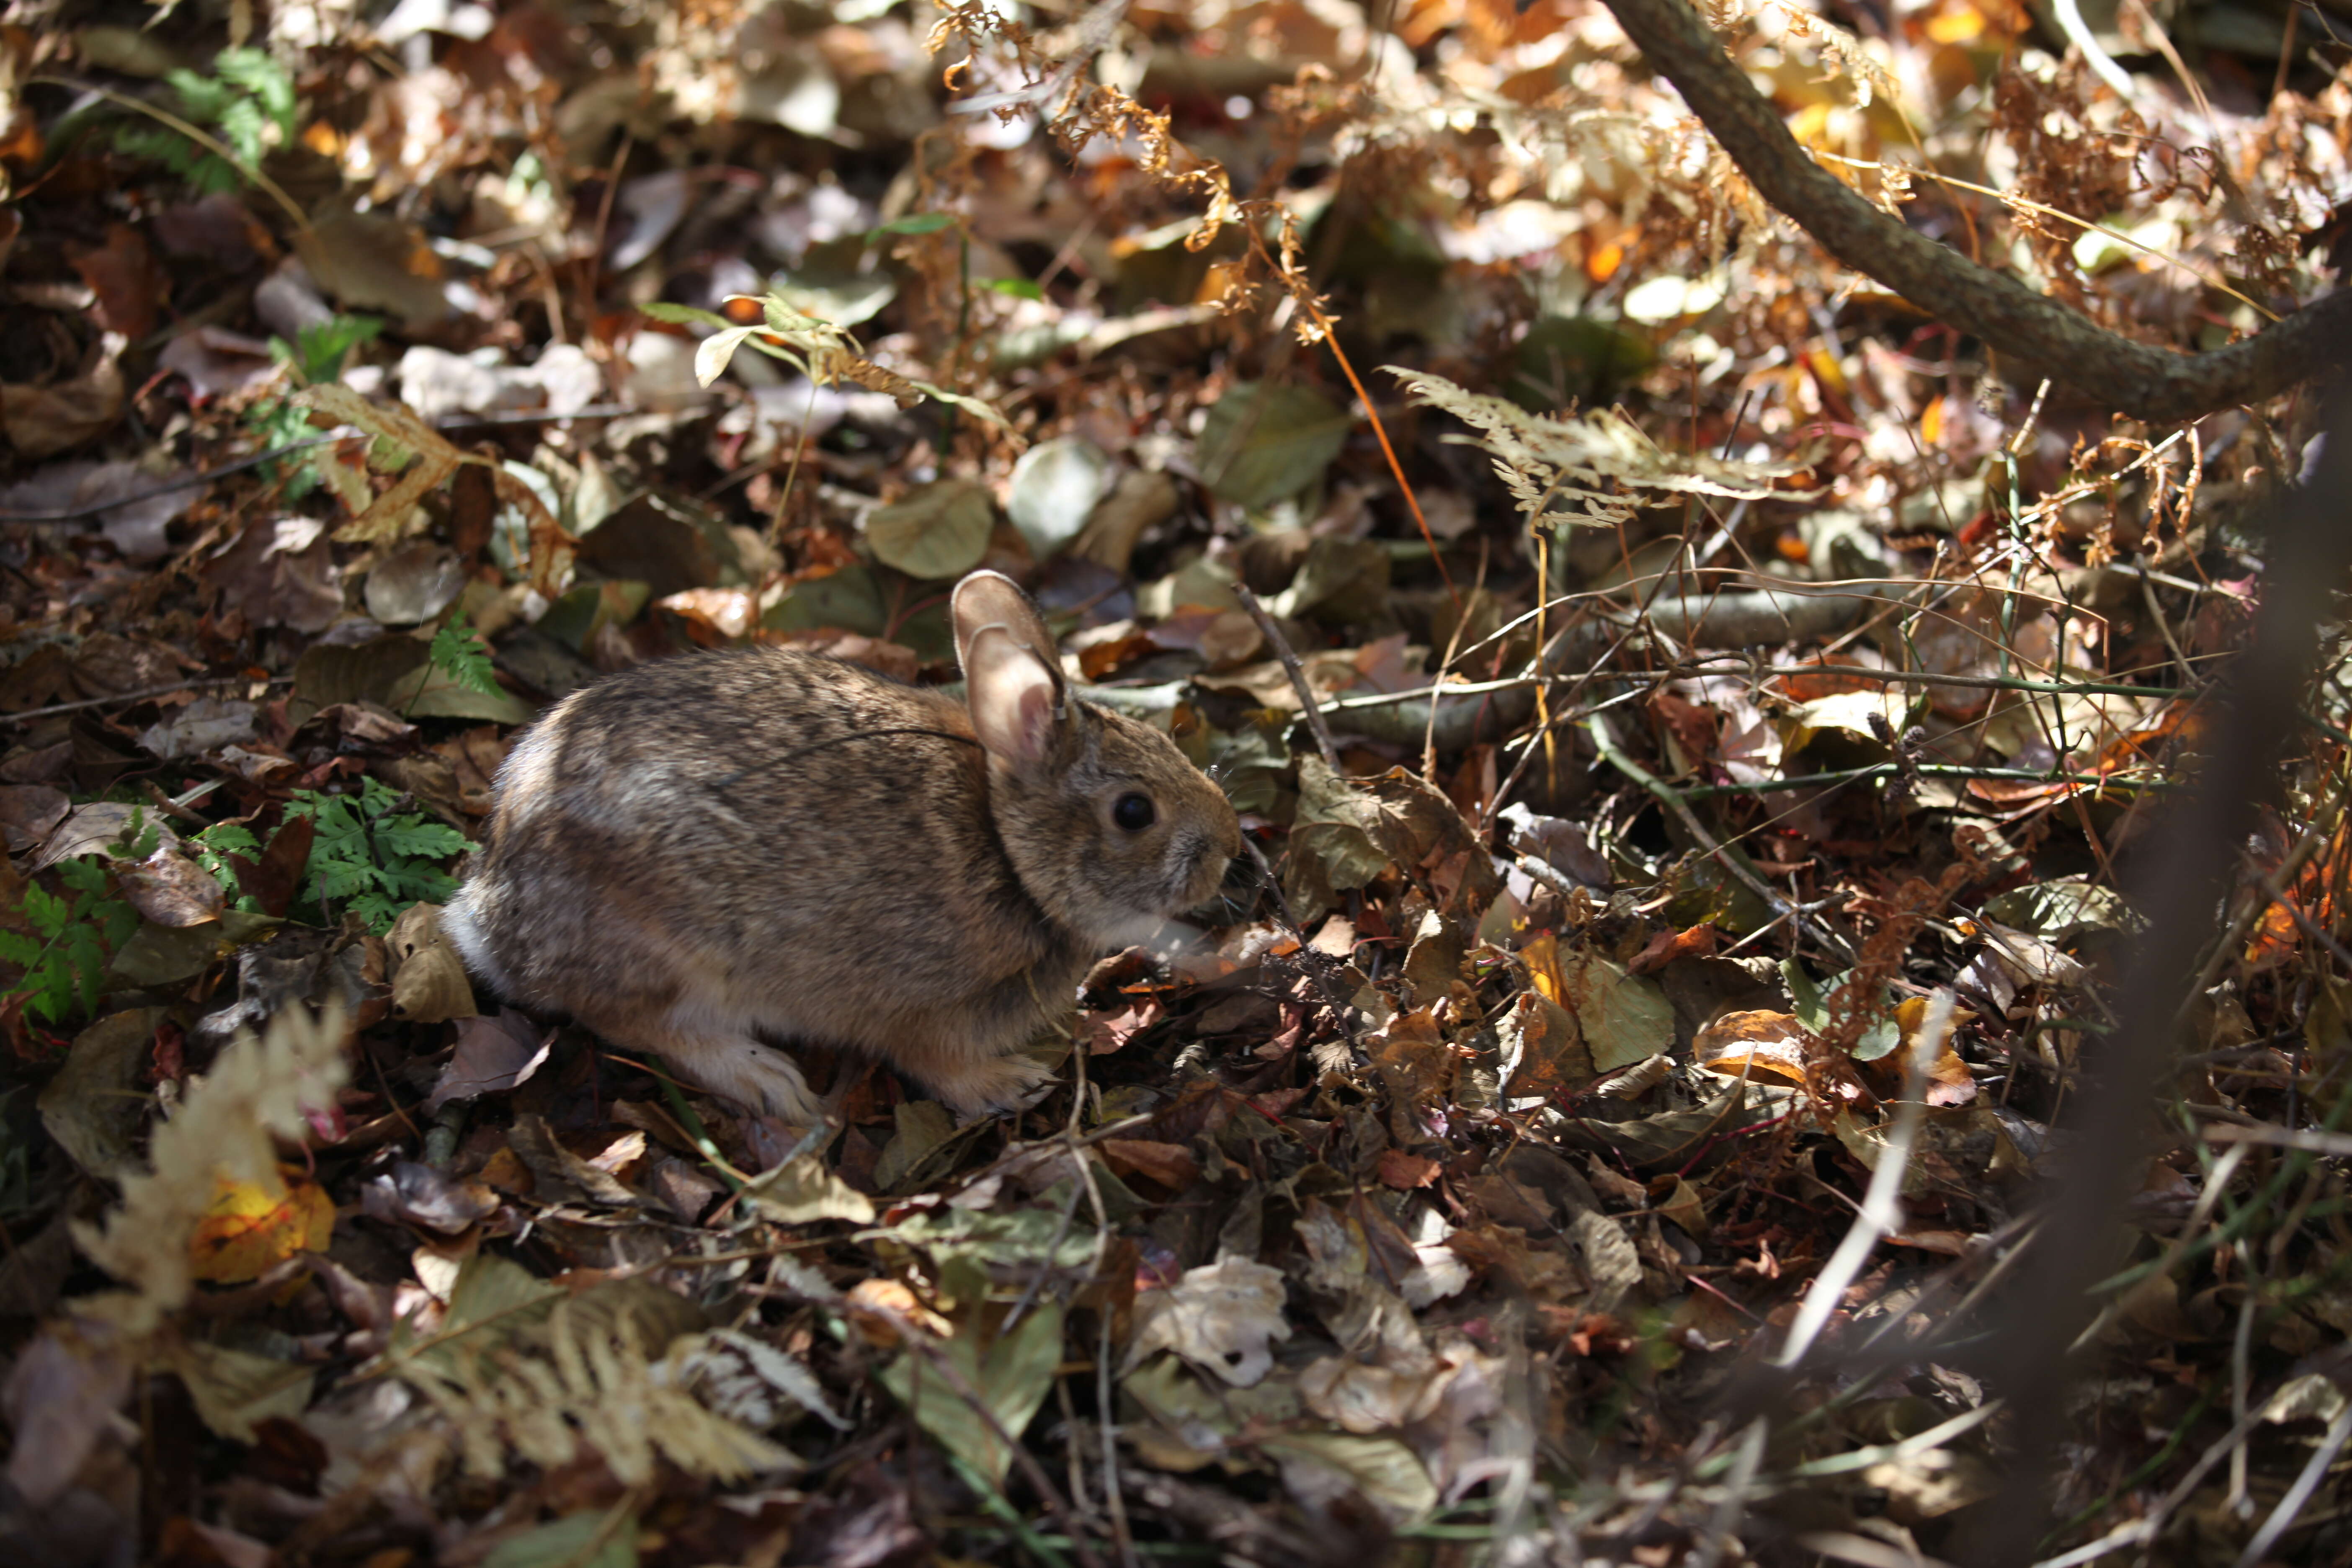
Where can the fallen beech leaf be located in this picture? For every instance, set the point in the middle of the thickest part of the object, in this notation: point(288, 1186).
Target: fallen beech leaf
point(1663, 949)
point(1405, 1172)
point(1169, 1164)
point(492, 1055)
point(274, 879)
point(1766, 1046)
point(430, 985)
point(130, 284)
point(170, 889)
point(1624, 1019)
point(1542, 1050)
point(40, 421)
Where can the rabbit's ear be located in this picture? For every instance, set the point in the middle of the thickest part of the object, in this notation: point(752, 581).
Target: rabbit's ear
point(986, 599)
point(1013, 678)
point(1015, 697)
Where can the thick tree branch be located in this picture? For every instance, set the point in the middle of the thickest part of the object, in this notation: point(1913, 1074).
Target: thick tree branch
point(2045, 337)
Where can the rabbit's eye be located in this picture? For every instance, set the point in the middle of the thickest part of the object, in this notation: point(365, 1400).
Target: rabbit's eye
point(1133, 812)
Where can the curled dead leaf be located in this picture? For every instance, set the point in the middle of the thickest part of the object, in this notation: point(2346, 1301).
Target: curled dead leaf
point(1764, 1045)
point(429, 984)
point(168, 888)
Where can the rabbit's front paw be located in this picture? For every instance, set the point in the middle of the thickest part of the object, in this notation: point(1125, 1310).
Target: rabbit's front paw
point(759, 1079)
point(1002, 1083)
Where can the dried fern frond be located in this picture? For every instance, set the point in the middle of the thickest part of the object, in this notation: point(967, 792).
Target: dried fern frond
point(257, 1088)
point(1596, 469)
point(1843, 54)
point(1636, 163)
point(518, 1367)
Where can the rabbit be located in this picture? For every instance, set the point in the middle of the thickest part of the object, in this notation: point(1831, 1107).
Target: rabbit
point(706, 850)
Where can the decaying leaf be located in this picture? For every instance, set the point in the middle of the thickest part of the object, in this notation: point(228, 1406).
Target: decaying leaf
point(1222, 1317)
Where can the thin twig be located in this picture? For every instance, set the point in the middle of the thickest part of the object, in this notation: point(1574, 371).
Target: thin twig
point(127, 698)
point(1671, 799)
point(1923, 770)
point(1292, 667)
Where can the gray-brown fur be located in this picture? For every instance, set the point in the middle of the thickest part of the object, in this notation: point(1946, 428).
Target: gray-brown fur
point(709, 850)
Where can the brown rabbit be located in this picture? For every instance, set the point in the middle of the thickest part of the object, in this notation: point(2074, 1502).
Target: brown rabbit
point(760, 842)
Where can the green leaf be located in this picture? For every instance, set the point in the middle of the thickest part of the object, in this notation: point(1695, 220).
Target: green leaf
point(415, 837)
point(1263, 443)
point(271, 84)
point(139, 838)
point(460, 649)
point(935, 530)
point(20, 950)
point(116, 922)
point(1011, 1380)
point(783, 320)
point(378, 909)
point(913, 223)
point(230, 838)
point(976, 407)
point(321, 348)
point(684, 315)
point(331, 879)
point(1019, 287)
point(243, 126)
point(1880, 1039)
point(86, 956)
point(412, 882)
point(1805, 998)
point(568, 1543)
point(204, 98)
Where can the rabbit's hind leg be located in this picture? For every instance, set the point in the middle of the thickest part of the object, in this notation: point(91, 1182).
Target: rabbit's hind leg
point(721, 1055)
point(974, 1083)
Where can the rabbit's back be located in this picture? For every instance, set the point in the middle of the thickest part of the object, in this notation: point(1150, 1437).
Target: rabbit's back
point(797, 838)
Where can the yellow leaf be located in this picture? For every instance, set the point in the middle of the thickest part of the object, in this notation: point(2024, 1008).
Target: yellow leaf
point(248, 1229)
point(1542, 955)
point(1961, 24)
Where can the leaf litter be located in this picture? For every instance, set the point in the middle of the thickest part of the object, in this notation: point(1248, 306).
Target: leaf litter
point(1691, 721)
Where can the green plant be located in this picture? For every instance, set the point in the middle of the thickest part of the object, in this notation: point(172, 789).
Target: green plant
point(319, 350)
point(316, 355)
point(460, 649)
point(74, 930)
point(211, 850)
point(248, 96)
point(378, 857)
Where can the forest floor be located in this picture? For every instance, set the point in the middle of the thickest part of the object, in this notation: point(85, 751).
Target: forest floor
point(1695, 726)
